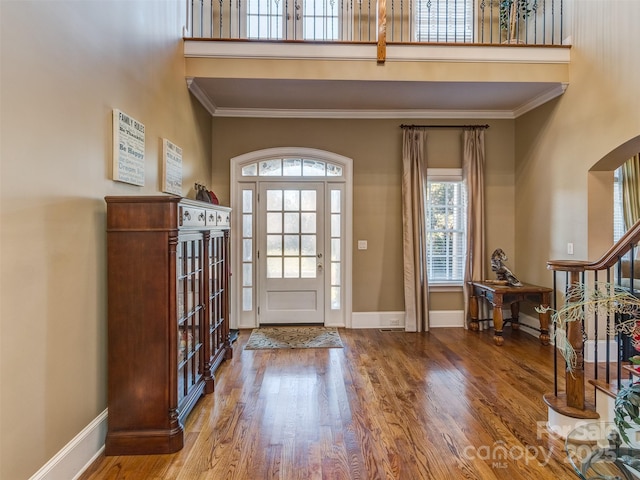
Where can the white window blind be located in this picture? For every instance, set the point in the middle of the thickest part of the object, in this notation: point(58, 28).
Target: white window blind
point(446, 230)
point(618, 218)
point(444, 21)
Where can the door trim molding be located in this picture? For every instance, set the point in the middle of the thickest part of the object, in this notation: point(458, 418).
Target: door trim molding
point(236, 164)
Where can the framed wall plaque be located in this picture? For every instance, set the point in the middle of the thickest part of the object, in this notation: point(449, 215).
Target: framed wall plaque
point(171, 168)
point(128, 149)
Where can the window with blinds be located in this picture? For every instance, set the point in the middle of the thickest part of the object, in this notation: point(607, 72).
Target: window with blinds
point(444, 21)
point(446, 230)
point(618, 217)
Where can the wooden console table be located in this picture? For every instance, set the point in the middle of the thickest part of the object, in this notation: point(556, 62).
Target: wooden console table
point(500, 296)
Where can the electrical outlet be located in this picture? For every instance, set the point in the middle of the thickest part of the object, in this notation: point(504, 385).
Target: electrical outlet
point(394, 321)
point(570, 248)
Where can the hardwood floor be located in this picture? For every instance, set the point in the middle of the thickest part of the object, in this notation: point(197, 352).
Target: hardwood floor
point(447, 404)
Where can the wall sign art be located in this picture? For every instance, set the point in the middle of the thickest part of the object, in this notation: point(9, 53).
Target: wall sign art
point(172, 168)
point(128, 149)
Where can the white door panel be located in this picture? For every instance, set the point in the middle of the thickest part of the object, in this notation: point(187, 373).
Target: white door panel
point(291, 250)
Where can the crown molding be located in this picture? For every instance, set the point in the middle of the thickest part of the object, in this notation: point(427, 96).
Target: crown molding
point(540, 99)
point(362, 114)
point(376, 114)
point(202, 97)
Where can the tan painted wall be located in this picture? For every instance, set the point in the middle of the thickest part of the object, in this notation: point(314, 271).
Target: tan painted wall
point(557, 200)
point(65, 65)
point(376, 149)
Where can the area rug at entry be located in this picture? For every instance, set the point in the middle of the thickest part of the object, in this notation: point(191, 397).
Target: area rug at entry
point(294, 337)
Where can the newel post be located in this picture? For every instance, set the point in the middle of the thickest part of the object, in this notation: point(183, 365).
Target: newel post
point(575, 379)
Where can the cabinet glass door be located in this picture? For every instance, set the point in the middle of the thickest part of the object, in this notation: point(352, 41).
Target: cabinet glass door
point(189, 305)
point(217, 308)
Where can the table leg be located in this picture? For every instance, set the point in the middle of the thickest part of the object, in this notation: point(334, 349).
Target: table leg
point(544, 317)
point(515, 312)
point(473, 313)
point(498, 321)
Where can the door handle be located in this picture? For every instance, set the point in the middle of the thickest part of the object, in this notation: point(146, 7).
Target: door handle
point(320, 266)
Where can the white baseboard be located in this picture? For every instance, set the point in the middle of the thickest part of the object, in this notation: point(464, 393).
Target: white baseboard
point(446, 318)
point(590, 351)
point(77, 455)
point(528, 323)
point(437, 319)
point(377, 320)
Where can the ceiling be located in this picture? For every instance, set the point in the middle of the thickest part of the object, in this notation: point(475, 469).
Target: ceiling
point(242, 97)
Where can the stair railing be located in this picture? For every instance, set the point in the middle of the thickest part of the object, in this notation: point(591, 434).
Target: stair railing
point(483, 22)
point(620, 268)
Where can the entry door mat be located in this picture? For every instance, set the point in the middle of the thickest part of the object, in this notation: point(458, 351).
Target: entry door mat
point(293, 337)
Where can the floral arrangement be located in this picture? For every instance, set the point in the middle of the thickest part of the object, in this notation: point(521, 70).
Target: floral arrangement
point(600, 299)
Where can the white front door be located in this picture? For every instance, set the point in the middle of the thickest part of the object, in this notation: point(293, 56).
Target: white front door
point(290, 252)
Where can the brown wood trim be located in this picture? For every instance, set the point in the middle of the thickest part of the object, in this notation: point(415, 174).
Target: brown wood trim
point(622, 246)
point(364, 42)
point(282, 41)
point(559, 404)
point(144, 442)
point(567, 265)
point(632, 370)
point(610, 390)
point(382, 31)
point(608, 260)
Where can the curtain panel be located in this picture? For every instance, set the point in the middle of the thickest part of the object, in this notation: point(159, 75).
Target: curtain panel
point(473, 175)
point(414, 191)
point(631, 191)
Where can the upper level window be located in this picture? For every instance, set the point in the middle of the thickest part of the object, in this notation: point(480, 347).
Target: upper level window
point(295, 19)
point(265, 19)
point(444, 21)
point(291, 167)
point(446, 226)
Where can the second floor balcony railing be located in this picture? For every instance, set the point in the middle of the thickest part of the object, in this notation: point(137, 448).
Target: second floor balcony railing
point(529, 22)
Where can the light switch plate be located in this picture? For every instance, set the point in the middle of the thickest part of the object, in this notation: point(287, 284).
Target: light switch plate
point(362, 244)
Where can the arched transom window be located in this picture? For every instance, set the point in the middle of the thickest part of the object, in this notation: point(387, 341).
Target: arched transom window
point(291, 167)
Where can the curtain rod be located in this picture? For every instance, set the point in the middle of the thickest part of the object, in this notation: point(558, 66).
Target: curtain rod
point(444, 126)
